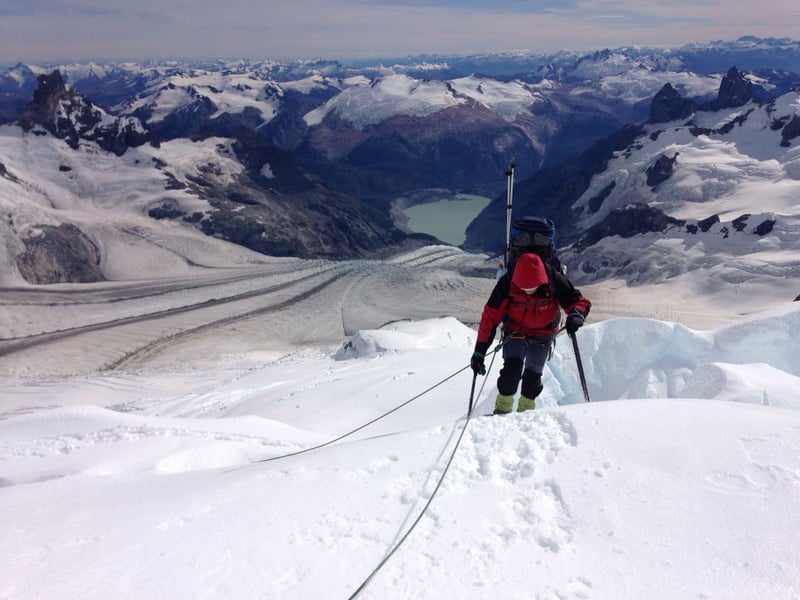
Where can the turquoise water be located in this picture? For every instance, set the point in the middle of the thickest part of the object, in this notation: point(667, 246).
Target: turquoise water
point(446, 219)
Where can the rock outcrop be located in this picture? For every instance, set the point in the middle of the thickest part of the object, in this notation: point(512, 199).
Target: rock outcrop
point(661, 170)
point(668, 105)
point(790, 131)
point(627, 222)
point(62, 254)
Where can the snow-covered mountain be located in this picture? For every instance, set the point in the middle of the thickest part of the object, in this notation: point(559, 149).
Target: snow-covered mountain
point(554, 105)
point(69, 169)
point(729, 180)
point(708, 187)
point(307, 157)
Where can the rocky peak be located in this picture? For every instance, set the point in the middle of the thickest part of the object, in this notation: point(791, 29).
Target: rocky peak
point(67, 115)
point(668, 105)
point(43, 107)
point(735, 89)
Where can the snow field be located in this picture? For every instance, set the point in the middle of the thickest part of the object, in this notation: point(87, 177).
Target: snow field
point(141, 483)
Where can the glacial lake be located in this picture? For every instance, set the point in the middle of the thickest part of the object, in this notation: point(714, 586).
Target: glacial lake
point(446, 219)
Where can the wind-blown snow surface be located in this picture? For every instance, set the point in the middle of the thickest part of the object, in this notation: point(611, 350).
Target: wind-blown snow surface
point(680, 480)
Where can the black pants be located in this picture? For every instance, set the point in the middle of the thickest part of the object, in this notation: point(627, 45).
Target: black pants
point(523, 358)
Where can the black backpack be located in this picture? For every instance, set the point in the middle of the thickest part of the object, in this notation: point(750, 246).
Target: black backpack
point(534, 235)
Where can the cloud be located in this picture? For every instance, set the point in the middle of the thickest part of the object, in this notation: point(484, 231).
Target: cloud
point(62, 30)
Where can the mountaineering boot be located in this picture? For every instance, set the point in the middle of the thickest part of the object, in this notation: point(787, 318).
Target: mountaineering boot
point(526, 403)
point(503, 404)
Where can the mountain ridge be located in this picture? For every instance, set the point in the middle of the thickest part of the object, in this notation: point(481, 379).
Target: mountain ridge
point(317, 138)
point(238, 189)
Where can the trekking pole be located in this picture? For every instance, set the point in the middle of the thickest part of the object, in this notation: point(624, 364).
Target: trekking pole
point(580, 366)
point(472, 393)
point(509, 202)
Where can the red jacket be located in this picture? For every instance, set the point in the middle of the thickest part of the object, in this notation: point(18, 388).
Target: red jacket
point(528, 302)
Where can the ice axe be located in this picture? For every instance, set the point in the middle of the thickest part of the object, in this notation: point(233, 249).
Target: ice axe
point(472, 394)
point(580, 366)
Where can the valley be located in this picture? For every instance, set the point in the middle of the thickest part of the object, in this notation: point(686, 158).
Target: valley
point(109, 326)
point(247, 314)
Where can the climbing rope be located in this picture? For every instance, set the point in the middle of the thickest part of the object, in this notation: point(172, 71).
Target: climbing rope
point(417, 520)
point(399, 543)
point(365, 425)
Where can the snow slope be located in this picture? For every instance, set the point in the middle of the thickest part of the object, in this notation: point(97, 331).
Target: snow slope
point(108, 198)
point(681, 478)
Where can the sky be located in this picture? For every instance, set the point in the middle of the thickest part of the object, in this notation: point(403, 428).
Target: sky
point(61, 30)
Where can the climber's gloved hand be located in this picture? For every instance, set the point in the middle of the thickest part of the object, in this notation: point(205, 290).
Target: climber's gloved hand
point(477, 364)
point(574, 322)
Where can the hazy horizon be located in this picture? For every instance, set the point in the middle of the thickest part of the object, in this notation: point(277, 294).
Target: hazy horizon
point(51, 31)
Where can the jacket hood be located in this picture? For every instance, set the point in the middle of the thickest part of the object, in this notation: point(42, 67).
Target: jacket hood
point(529, 273)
